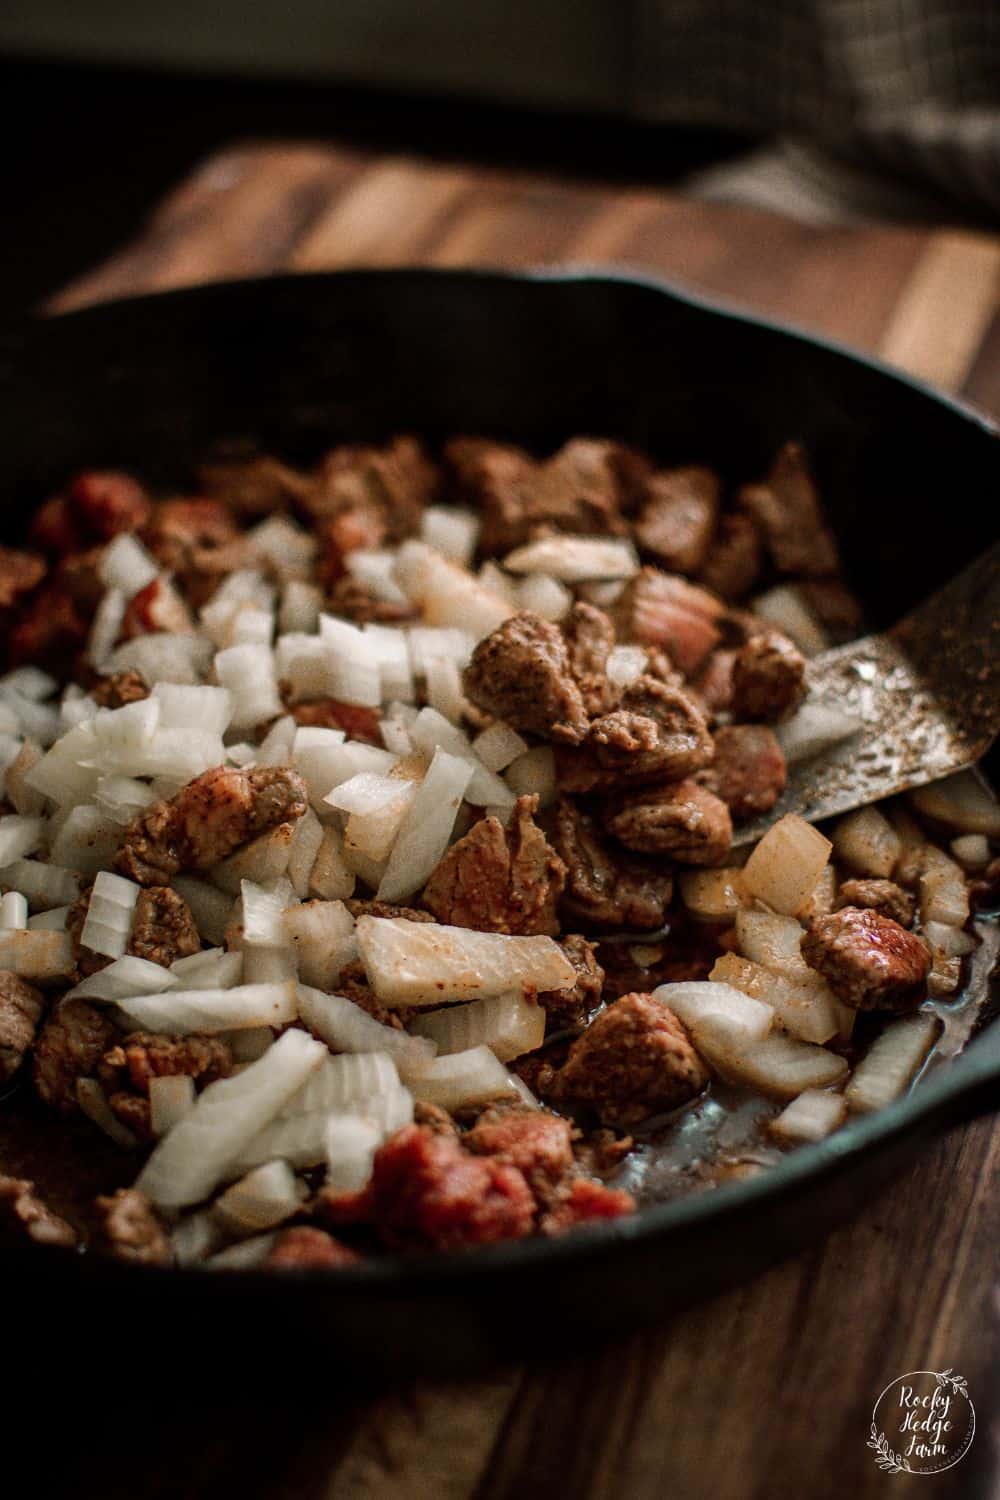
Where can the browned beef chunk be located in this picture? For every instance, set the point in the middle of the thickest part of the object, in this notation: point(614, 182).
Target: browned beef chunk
point(713, 687)
point(735, 558)
point(664, 609)
point(657, 733)
point(869, 961)
point(20, 572)
point(142, 1056)
point(494, 479)
point(207, 820)
point(683, 820)
point(633, 1061)
point(536, 1142)
point(23, 1215)
point(606, 888)
point(522, 674)
point(21, 1007)
point(883, 896)
point(590, 638)
point(253, 488)
point(786, 506)
point(119, 689)
point(365, 908)
point(130, 1229)
point(163, 929)
point(198, 541)
point(357, 721)
point(768, 677)
point(304, 1248)
point(50, 630)
point(576, 1005)
point(678, 518)
point(499, 879)
point(748, 772)
point(69, 1046)
point(395, 482)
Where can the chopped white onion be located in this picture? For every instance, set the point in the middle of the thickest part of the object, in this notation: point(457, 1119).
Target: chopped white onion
point(497, 581)
point(444, 689)
point(19, 836)
point(814, 1115)
point(305, 846)
point(345, 1083)
point(275, 748)
point(269, 965)
point(330, 877)
point(773, 941)
point(350, 1143)
point(814, 729)
point(287, 547)
point(963, 802)
point(195, 1237)
point(212, 968)
point(29, 682)
point(87, 841)
point(972, 850)
point(263, 860)
point(806, 1006)
point(354, 662)
point(321, 934)
point(248, 673)
point(123, 798)
point(186, 1165)
point(693, 1001)
point(951, 941)
point(891, 1062)
point(211, 908)
point(185, 707)
point(785, 607)
point(427, 963)
point(373, 569)
point(534, 774)
point(498, 746)
point(448, 594)
point(429, 643)
point(264, 1198)
point(56, 919)
point(431, 731)
point(867, 842)
point(575, 559)
point(625, 665)
point(777, 1065)
point(184, 1011)
point(300, 606)
point(345, 1027)
point(164, 658)
point(544, 596)
point(465, 1078)
point(106, 627)
point(944, 893)
point(67, 772)
point(785, 866)
point(424, 833)
point(13, 912)
point(126, 565)
point(508, 1024)
point(108, 923)
point(171, 1099)
point(23, 798)
point(125, 979)
point(452, 532)
point(44, 885)
point(263, 915)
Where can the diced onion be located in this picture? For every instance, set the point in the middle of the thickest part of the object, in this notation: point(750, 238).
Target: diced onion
point(693, 1001)
point(171, 1099)
point(544, 596)
point(867, 842)
point(300, 606)
point(264, 1198)
point(534, 773)
point(812, 1116)
point(29, 682)
point(625, 665)
point(712, 895)
point(86, 841)
point(125, 979)
point(463, 1079)
point(575, 559)
point(508, 1024)
point(275, 749)
point(126, 565)
point(812, 730)
point(108, 923)
point(972, 850)
point(944, 894)
point(22, 797)
point(427, 963)
point(19, 836)
point(951, 941)
point(330, 878)
point(195, 1237)
point(164, 658)
point(785, 866)
point(805, 1007)
point(373, 569)
point(13, 911)
point(305, 846)
point(36, 953)
point(444, 689)
point(321, 934)
point(212, 968)
point(345, 1027)
point(123, 798)
point(263, 914)
point(785, 607)
point(431, 731)
point(248, 673)
point(105, 628)
point(44, 885)
point(56, 919)
point(287, 547)
point(263, 860)
point(68, 772)
point(962, 802)
point(497, 746)
point(350, 1143)
point(451, 531)
point(891, 1062)
point(186, 1164)
point(425, 830)
point(779, 1065)
point(185, 707)
point(210, 907)
point(185, 1011)
point(345, 1083)
point(773, 941)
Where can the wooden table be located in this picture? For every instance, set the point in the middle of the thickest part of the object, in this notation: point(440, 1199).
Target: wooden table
point(765, 1393)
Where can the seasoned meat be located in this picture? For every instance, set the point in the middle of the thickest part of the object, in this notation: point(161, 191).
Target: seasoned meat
point(23, 1215)
point(362, 525)
point(69, 1046)
point(435, 1118)
point(357, 722)
point(142, 1056)
point(353, 984)
point(363, 908)
point(163, 928)
point(576, 1005)
point(536, 1142)
point(869, 961)
point(633, 1061)
point(768, 677)
point(21, 1007)
point(883, 896)
point(20, 572)
point(305, 1248)
point(350, 598)
point(494, 479)
point(394, 483)
point(590, 638)
point(605, 888)
point(157, 607)
point(584, 487)
point(786, 507)
point(522, 674)
point(586, 1202)
point(748, 772)
point(87, 963)
point(119, 689)
point(664, 609)
point(198, 541)
point(713, 687)
point(253, 488)
point(735, 558)
point(678, 518)
point(208, 819)
point(428, 1192)
point(130, 1229)
point(684, 820)
point(657, 733)
point(498, 879)
point(50, 630)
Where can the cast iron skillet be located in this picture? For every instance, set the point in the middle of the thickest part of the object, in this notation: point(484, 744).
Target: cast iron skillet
point(298, 363)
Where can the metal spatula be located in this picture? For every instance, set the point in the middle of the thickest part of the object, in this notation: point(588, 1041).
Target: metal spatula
point(926, 693)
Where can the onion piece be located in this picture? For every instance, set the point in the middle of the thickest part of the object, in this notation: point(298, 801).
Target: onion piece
point(37, 953)
point(867, 842)
point(212, 968)
point(805, 1007)
point(373, 568)
point(289, 548)
point(93, 1102)
point(424, 833)
point(498, 746)
point(428, 963)
point(349, 1144)
point(891, 1062)
point(773, 941)
point(785, 607)
point(353, 662)
point(951, 941)
point(962, 802)
point(65, 773)
point(345, 1083)
point(211, 908)
point(330, 878)
point(123, 798)
point(300, 606)
point(126, 565)
point(106, 627)
point(693, 1001)
point(429, 643)
point(625, 665)
point(812, 1116)
point(164, 658)
point(444, 689)
point(944, 893)
point(305, 846)
point(275, 748)
point(545, 596)
point(28, 682)
point(185, 1011)
point(263, 860)
point(321, 934)
point(186, 1165)
point(509, 1025)
point(107, 926)
point(23, 798)
point(465, 1078)
point(86, 841)
point(245, 1255)
point(534, 774)
point(779, 1065)
point(447, 594)
point(19, 836)
point(451, 531)
point(248, 673)
point(263, 914)
point(185, 707)
point(262, 1199)
point(972, 850)
point(56, 919)
point(575, 559)
point(431, 731)
point(345, 1027)
point(195, 1237)
point(814, 729)
point(13, 912)
point(785, 866)
point(125, 979)
point(171, 1099)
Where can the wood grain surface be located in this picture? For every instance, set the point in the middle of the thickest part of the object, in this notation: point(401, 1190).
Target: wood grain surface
point(764, 1393)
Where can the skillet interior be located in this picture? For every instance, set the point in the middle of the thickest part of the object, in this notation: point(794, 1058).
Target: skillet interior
point(296, 363)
